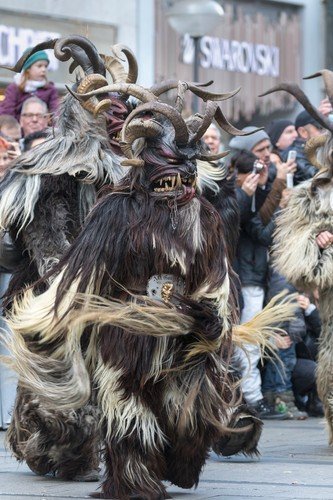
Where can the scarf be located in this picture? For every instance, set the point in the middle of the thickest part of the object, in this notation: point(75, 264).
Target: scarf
point(30, 85)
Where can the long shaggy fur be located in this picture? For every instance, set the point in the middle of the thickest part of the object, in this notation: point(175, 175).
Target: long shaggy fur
point(62, 443)
point(299, 258)
point(158, 372)
point(154, 394)
point(306, 215)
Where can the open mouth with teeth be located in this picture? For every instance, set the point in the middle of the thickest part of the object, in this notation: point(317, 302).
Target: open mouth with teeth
point(183, 188)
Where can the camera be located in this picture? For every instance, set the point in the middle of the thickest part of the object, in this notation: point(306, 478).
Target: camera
point(258, 167)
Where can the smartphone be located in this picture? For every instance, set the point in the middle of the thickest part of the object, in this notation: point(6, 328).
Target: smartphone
point(290, 180)
point(290, 177)
point(292, 155)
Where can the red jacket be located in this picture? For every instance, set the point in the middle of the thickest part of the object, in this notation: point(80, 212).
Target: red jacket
point(14, 99)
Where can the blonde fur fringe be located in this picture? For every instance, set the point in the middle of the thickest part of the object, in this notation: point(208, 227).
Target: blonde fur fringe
point(263, 328)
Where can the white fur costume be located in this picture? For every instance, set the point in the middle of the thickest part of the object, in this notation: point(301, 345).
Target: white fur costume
point(298, 257)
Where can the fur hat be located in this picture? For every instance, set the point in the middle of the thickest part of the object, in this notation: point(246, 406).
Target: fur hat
point(41, 55)
point(248, 142)
point(276, 128)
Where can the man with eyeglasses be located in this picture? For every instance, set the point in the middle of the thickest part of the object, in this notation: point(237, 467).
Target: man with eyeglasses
point(34, 116)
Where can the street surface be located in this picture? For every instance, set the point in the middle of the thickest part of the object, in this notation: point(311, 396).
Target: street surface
point(296, 463)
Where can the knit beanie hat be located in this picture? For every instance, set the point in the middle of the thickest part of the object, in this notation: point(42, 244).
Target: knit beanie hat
point(276, 128)
point(248, 142)
point(41, 55)
point(304, 118)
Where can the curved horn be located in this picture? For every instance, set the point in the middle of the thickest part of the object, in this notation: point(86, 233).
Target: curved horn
point(328, 81)
point(298, 93)
point(93, 104)
point(132, 74)
point(211, 96)
point(225, 125)
point(205, 96)
point(165, 86)
point(115, 68)
point(124, 88)
point(82, 50)
point(205, 122)
point(195, 88)
point(181, 131)
point(212, 157)
point(49, 44)
point(138, 127)
point(311, 147)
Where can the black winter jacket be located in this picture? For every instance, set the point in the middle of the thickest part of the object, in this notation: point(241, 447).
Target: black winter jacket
point(251, 263)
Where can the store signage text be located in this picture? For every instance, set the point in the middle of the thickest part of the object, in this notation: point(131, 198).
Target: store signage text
point(232, 55)
point(14, 41)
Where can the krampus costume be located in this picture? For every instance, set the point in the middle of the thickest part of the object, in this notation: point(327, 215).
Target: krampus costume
point(43, 203)
point(138, 317)
point(297, 255)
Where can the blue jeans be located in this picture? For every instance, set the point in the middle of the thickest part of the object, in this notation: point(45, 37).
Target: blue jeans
point(277, 376)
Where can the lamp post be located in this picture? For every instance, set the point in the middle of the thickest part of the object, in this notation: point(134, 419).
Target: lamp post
point(197, 18)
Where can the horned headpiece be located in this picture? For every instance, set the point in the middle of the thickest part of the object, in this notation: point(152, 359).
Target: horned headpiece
point(186, 133)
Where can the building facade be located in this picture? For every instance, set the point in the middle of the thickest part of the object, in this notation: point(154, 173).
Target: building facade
point(106, 22)
point(257, 44)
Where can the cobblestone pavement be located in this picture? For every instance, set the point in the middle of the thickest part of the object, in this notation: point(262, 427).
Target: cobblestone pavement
point(296, 463)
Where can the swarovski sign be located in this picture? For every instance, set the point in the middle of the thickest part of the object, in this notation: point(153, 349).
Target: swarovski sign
point(232, 55)
point(14, 41)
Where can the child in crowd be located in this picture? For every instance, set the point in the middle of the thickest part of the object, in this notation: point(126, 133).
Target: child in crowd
point(32, 81)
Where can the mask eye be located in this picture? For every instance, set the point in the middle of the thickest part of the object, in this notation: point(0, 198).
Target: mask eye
point(174, 161)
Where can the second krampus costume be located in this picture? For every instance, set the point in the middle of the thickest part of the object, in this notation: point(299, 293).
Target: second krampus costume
point(296, 253)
